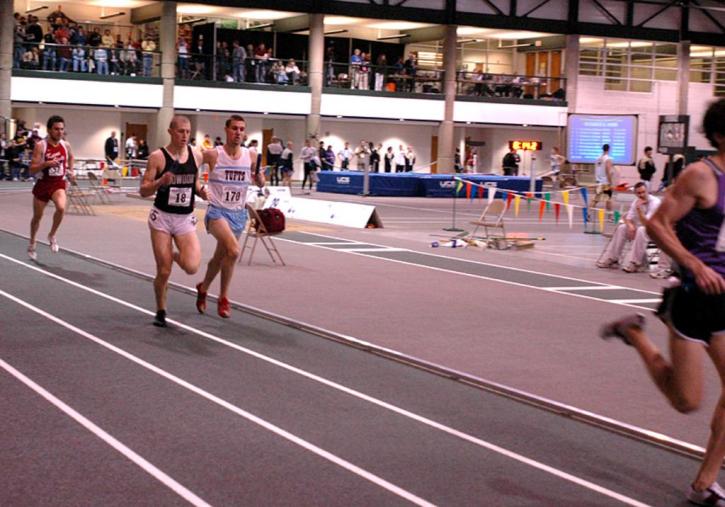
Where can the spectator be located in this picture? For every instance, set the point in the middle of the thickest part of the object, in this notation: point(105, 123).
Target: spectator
point(292, 71)
point(33, 31)
point(58, 17)
point(457, 165)
point(107, 39)
point(381, 70)
point(31, 59)
point(143, 150)
point(239, 58)
point(223, 56)
point(345, 156)
point(200, 57)
point(411, 68)
point(79, 59)
point(375, 157)
point(307, 154)
point(330, 60)
point(286, 167)
point(400, 160)
point(183, 58)
point(261, 57)
point(362, 155)
point(131, 147)
point(328, 159)
point(278, 74)
point(631, 230)
point(646, 167)
point(218, 141)
point(94, 38)
point(274, 152)
point(206, 143)
point(65, 54)
point(409, 159)
point(101, 57)
point(511, 163)
point(110, 149)
point(251, 63)
point(49, 52)
point(389, 156)
point(355, 63)
point(131, 60)
point(19, 42)
point(148, 46)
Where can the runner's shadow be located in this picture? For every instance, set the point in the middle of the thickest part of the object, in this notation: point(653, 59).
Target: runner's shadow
point(508, 489)
point(178, 341)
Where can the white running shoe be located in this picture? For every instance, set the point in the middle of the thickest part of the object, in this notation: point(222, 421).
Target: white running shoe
point(714, 495)
point(53, 244)
point(32, 253)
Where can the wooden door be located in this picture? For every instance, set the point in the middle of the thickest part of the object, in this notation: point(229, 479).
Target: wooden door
point(434, 154)
point(267, 135)
point(530, 71)
point(555, 71)
point(136, 129)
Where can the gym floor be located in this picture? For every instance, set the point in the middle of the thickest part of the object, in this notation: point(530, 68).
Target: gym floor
point(372, 369)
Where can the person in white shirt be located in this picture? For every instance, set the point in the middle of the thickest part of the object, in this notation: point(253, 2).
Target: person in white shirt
point(362, 155)
point(604, 174)
point(631, 230)
point(131, 147)
point(400, 160)
point(308, 155)
point(345, 156)
point(409, 159)
point(286, 166)
point(556, 160)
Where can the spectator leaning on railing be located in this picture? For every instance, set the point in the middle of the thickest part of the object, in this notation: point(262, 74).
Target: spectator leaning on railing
point(148, 47)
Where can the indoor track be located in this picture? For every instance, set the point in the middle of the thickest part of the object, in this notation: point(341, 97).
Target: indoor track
point(103, 408)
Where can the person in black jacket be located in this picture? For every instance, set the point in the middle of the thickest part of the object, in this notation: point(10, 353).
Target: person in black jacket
point(646, 167)
point(511, 163)
point(111, 149)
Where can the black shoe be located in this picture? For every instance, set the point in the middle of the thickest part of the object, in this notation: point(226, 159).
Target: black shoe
point(160, 319)
point(618, 328)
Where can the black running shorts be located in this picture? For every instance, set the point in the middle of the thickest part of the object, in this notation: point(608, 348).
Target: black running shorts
point(693, 314)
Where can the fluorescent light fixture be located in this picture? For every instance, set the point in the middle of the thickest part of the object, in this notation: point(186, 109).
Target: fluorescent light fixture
point(466, 41)
point(342, 20)
point(114, 15)
point(36, 9)
point(260, 27)
point(339, 116)
point(333, 32)
point(192, 21)
point(119, 4)
point(399, 36)
point(519, 34)
point(265, 15)
point(398, 25)
point(472, 30)
point(195, 9)
point(511, 46)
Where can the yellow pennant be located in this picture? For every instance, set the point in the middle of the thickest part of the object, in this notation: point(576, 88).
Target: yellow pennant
point(601, 220)
point(565, 196)
point(517, 202)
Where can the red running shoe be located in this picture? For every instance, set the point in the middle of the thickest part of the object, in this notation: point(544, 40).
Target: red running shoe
point(200, 299)
point(223, 308)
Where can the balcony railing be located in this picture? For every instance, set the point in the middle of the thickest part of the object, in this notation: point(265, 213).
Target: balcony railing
point(135, 62)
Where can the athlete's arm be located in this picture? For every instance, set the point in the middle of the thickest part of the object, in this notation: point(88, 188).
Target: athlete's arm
point(200, 158)
point(150, 184)
point(70, 167)
point(258, 175)
point(37, 163)
point(687, 193)
point(610, 172)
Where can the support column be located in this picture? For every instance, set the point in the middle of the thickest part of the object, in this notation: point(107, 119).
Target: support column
point(571, 68)
point(446, 150)
point(314, 72)
point(683, 77)
point(7, 26)
point(167, 44)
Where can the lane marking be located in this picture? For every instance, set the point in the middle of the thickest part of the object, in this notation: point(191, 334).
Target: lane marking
point(378, 481)
point(376, 249)
point(585, 287)
point(99, 432)
point(635, 301)
point(375, 401)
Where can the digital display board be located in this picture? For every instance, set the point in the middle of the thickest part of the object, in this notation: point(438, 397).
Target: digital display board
point(673, 133)
point(525, 145)
point(586, 133)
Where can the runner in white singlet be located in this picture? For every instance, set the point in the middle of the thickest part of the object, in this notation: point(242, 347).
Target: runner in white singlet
point(231, 170)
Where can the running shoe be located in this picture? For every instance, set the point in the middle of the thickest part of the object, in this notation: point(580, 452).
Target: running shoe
point(200, 299)
point(617, 328)
point(607, 263)
point(160, 318)
point(632, 267)
point(32, 253)
point(53, 244)
point(661, 273)
point(223, 308)
point(714, 495)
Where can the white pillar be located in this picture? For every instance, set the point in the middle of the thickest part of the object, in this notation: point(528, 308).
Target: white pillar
point(7, 27)
point(314, 72)
point(446, 149)
point(167, 44)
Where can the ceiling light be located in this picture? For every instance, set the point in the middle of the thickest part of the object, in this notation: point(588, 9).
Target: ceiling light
point(399, 36)
point(510, 46)
point(333, 32)
point(342, 20)
point(465, 41)
point(191, 21)
point(398, 25)
point(519, 34)
point(468, 123)
point(36, 9)
point(339, 116)
point(265, 14)
point(114, 15)
point(195, 9)
point(472, 30)
point(261, 26)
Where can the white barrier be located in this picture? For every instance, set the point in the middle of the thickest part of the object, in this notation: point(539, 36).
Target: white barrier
point(314, 210)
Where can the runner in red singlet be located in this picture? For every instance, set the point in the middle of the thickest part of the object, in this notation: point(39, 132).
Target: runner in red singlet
point(52, 162)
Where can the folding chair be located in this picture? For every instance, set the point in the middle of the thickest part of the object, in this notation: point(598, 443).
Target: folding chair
point(257, 231)
point(97, 189)
point(492, 219)
point(77, 200)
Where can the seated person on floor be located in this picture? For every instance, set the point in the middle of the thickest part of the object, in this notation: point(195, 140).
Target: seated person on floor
point(631, 230)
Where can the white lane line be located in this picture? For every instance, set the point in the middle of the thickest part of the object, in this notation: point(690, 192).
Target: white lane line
point(129, 453)
point(229, 406)
point(375, 401)
point(635, 301)
point(589, 287)
point(324, 243)
point(376, 249)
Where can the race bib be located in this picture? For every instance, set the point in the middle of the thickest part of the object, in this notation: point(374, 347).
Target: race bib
point(233, 194)
point(720, 245)
point(55, 171)
point(179, 196)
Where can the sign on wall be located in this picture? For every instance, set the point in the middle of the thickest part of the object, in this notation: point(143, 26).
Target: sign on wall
point(520, 145)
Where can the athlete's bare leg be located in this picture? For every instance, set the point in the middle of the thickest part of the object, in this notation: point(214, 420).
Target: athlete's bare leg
point(680, 380)
point(38, 208)
point(715, 452)
point(225, 256)
point(163, 253)
point(188, 256)
point(59, 199)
